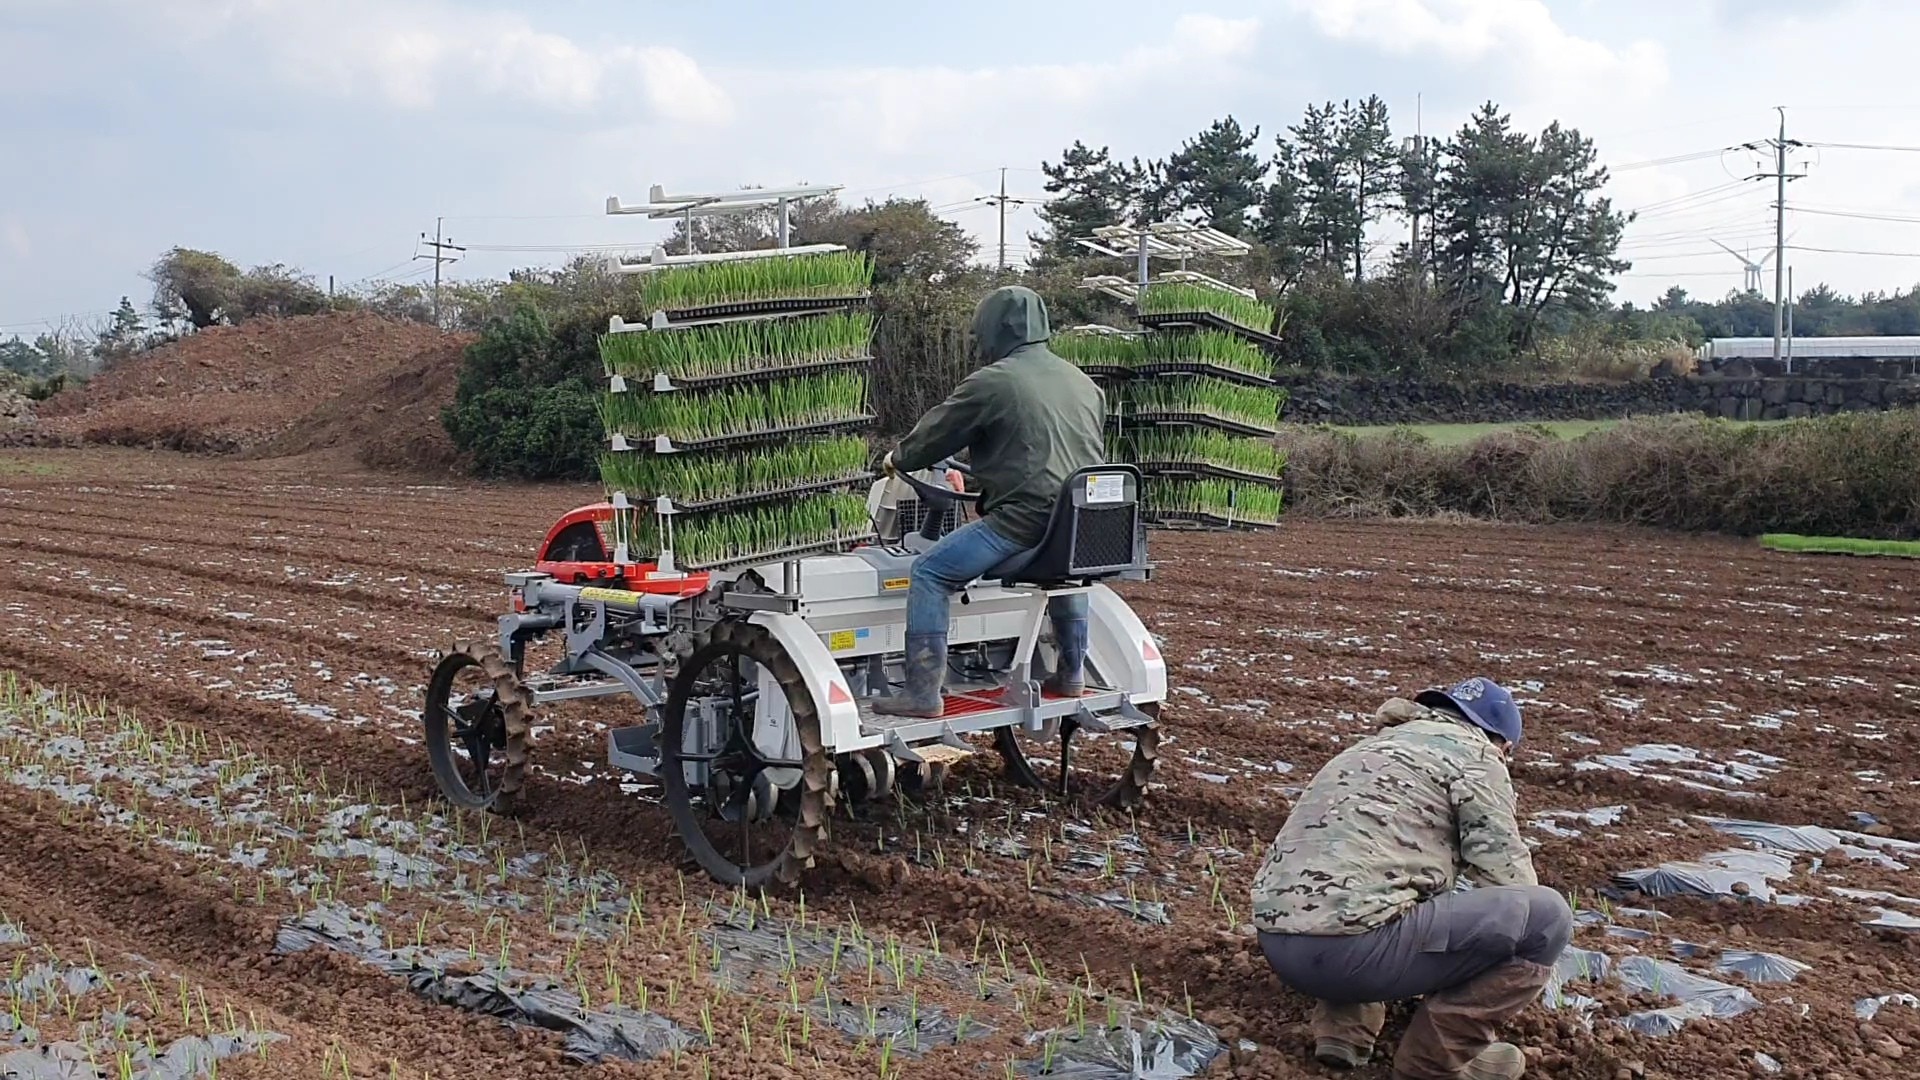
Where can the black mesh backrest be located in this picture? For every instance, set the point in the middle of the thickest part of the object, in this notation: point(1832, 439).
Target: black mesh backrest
point(1095, 531)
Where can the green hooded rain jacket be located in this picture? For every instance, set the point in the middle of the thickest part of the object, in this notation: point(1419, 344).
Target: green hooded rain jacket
point(1028, 420)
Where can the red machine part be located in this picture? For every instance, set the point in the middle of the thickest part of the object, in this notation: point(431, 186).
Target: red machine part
point(578, 550)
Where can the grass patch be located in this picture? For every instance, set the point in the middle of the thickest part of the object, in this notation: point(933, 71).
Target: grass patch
point(15, 466)
point(1462, 434)
point(1840, 545)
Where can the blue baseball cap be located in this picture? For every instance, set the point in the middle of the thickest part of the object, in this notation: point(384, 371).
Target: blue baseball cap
point(1483, 702)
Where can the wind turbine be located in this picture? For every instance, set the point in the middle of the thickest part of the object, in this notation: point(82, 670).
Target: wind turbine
point(1753, 277)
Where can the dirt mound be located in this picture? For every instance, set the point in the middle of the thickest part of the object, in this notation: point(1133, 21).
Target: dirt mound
point(357, 383)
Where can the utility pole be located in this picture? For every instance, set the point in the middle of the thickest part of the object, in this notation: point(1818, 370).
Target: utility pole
point(1002, 200)
point(440, 248)
point(1790, 299)
point(1779, 176)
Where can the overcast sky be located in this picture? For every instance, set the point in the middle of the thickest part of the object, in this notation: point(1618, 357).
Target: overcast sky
point(329, 133)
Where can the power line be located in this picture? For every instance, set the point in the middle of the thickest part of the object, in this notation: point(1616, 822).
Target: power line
point(1908, 219)
point(1698, 155)
point(1717, 227)
point(51, 321)
point(1864, 146)
point(378, 274)
point(1676, 255)
point(624, 245)
point(1671, 200)
point(1684, 205)
point(1852, 251)
point(1684, 274)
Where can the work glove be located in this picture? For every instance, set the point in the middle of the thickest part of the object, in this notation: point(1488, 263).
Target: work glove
point(886, 463)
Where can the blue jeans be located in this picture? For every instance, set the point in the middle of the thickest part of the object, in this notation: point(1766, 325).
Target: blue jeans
point(958, 558)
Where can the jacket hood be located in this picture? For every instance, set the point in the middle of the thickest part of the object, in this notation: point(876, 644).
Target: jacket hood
point(1009, 317)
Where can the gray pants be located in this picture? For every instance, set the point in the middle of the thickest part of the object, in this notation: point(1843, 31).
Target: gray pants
point(1478, 957)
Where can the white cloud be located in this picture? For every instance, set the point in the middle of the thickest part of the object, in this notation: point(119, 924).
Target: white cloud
point(1521, 35)
point(897, 109)
point(424, 54)
point(17, 240)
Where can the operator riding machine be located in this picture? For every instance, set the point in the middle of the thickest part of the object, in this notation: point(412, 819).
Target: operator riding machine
point(754, 682)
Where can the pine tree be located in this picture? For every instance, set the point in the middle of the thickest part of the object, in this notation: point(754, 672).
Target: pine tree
point(1090, 190)
point(1371, 167)
point(1217, 175)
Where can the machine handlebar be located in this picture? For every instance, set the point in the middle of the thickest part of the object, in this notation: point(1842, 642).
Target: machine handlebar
point(936, 497)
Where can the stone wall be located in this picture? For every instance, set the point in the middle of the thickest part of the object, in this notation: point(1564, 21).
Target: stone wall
point(1791, 397)
point(1373, 400)
point(1818, 367)
point(1368, 401)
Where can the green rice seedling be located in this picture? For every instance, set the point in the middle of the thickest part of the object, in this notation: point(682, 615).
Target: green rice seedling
point(1255, 457)
point(1213, 347)
point(1249, 405)
point(1255, 504)
point(834, 275)
point(1188, 298)
point(689, 478)
point(736, 410)
point(725, 537)
point(717, 350)
point(1098, 350)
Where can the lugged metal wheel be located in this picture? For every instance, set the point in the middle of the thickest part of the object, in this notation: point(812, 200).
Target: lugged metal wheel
point(866, 776)
point(773, 806)
point(478, 721)
point(1123, 792)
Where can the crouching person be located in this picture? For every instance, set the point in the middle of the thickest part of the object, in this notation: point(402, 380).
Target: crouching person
point(1355, 902)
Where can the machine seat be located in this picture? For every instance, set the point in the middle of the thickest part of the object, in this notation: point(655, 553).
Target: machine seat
point(1096, 532)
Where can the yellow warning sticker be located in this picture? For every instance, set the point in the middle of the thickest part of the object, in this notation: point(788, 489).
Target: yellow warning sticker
point(894, 583)
point(616, 597)
point(840, 640)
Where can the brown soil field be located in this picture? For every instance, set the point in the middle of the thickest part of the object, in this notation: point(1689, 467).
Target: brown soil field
point(210, 755)
point(368, 387)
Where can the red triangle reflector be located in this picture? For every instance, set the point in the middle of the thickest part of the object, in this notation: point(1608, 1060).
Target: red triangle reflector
point(1147, 650)
point(837, 694)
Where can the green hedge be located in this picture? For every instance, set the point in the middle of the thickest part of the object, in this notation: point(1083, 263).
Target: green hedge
point(1848, 475)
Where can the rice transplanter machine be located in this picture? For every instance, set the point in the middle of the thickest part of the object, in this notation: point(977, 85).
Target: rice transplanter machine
point(753, 673)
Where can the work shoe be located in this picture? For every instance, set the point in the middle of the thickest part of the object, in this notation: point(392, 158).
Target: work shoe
point(1452, 1033)
point(1069, 679)
point(1341, 1055)
point(926, 674)
point(1343, 1034)
point(1499, 1061)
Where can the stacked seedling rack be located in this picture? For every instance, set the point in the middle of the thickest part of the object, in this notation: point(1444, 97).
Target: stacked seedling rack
point(1191, 395)
point(734, 405)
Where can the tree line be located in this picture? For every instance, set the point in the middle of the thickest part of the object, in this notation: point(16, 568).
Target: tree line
point(1441, 256)
point(1487, 251)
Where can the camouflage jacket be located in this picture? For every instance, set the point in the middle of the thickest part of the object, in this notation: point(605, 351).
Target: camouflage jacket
point(1391, 821)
